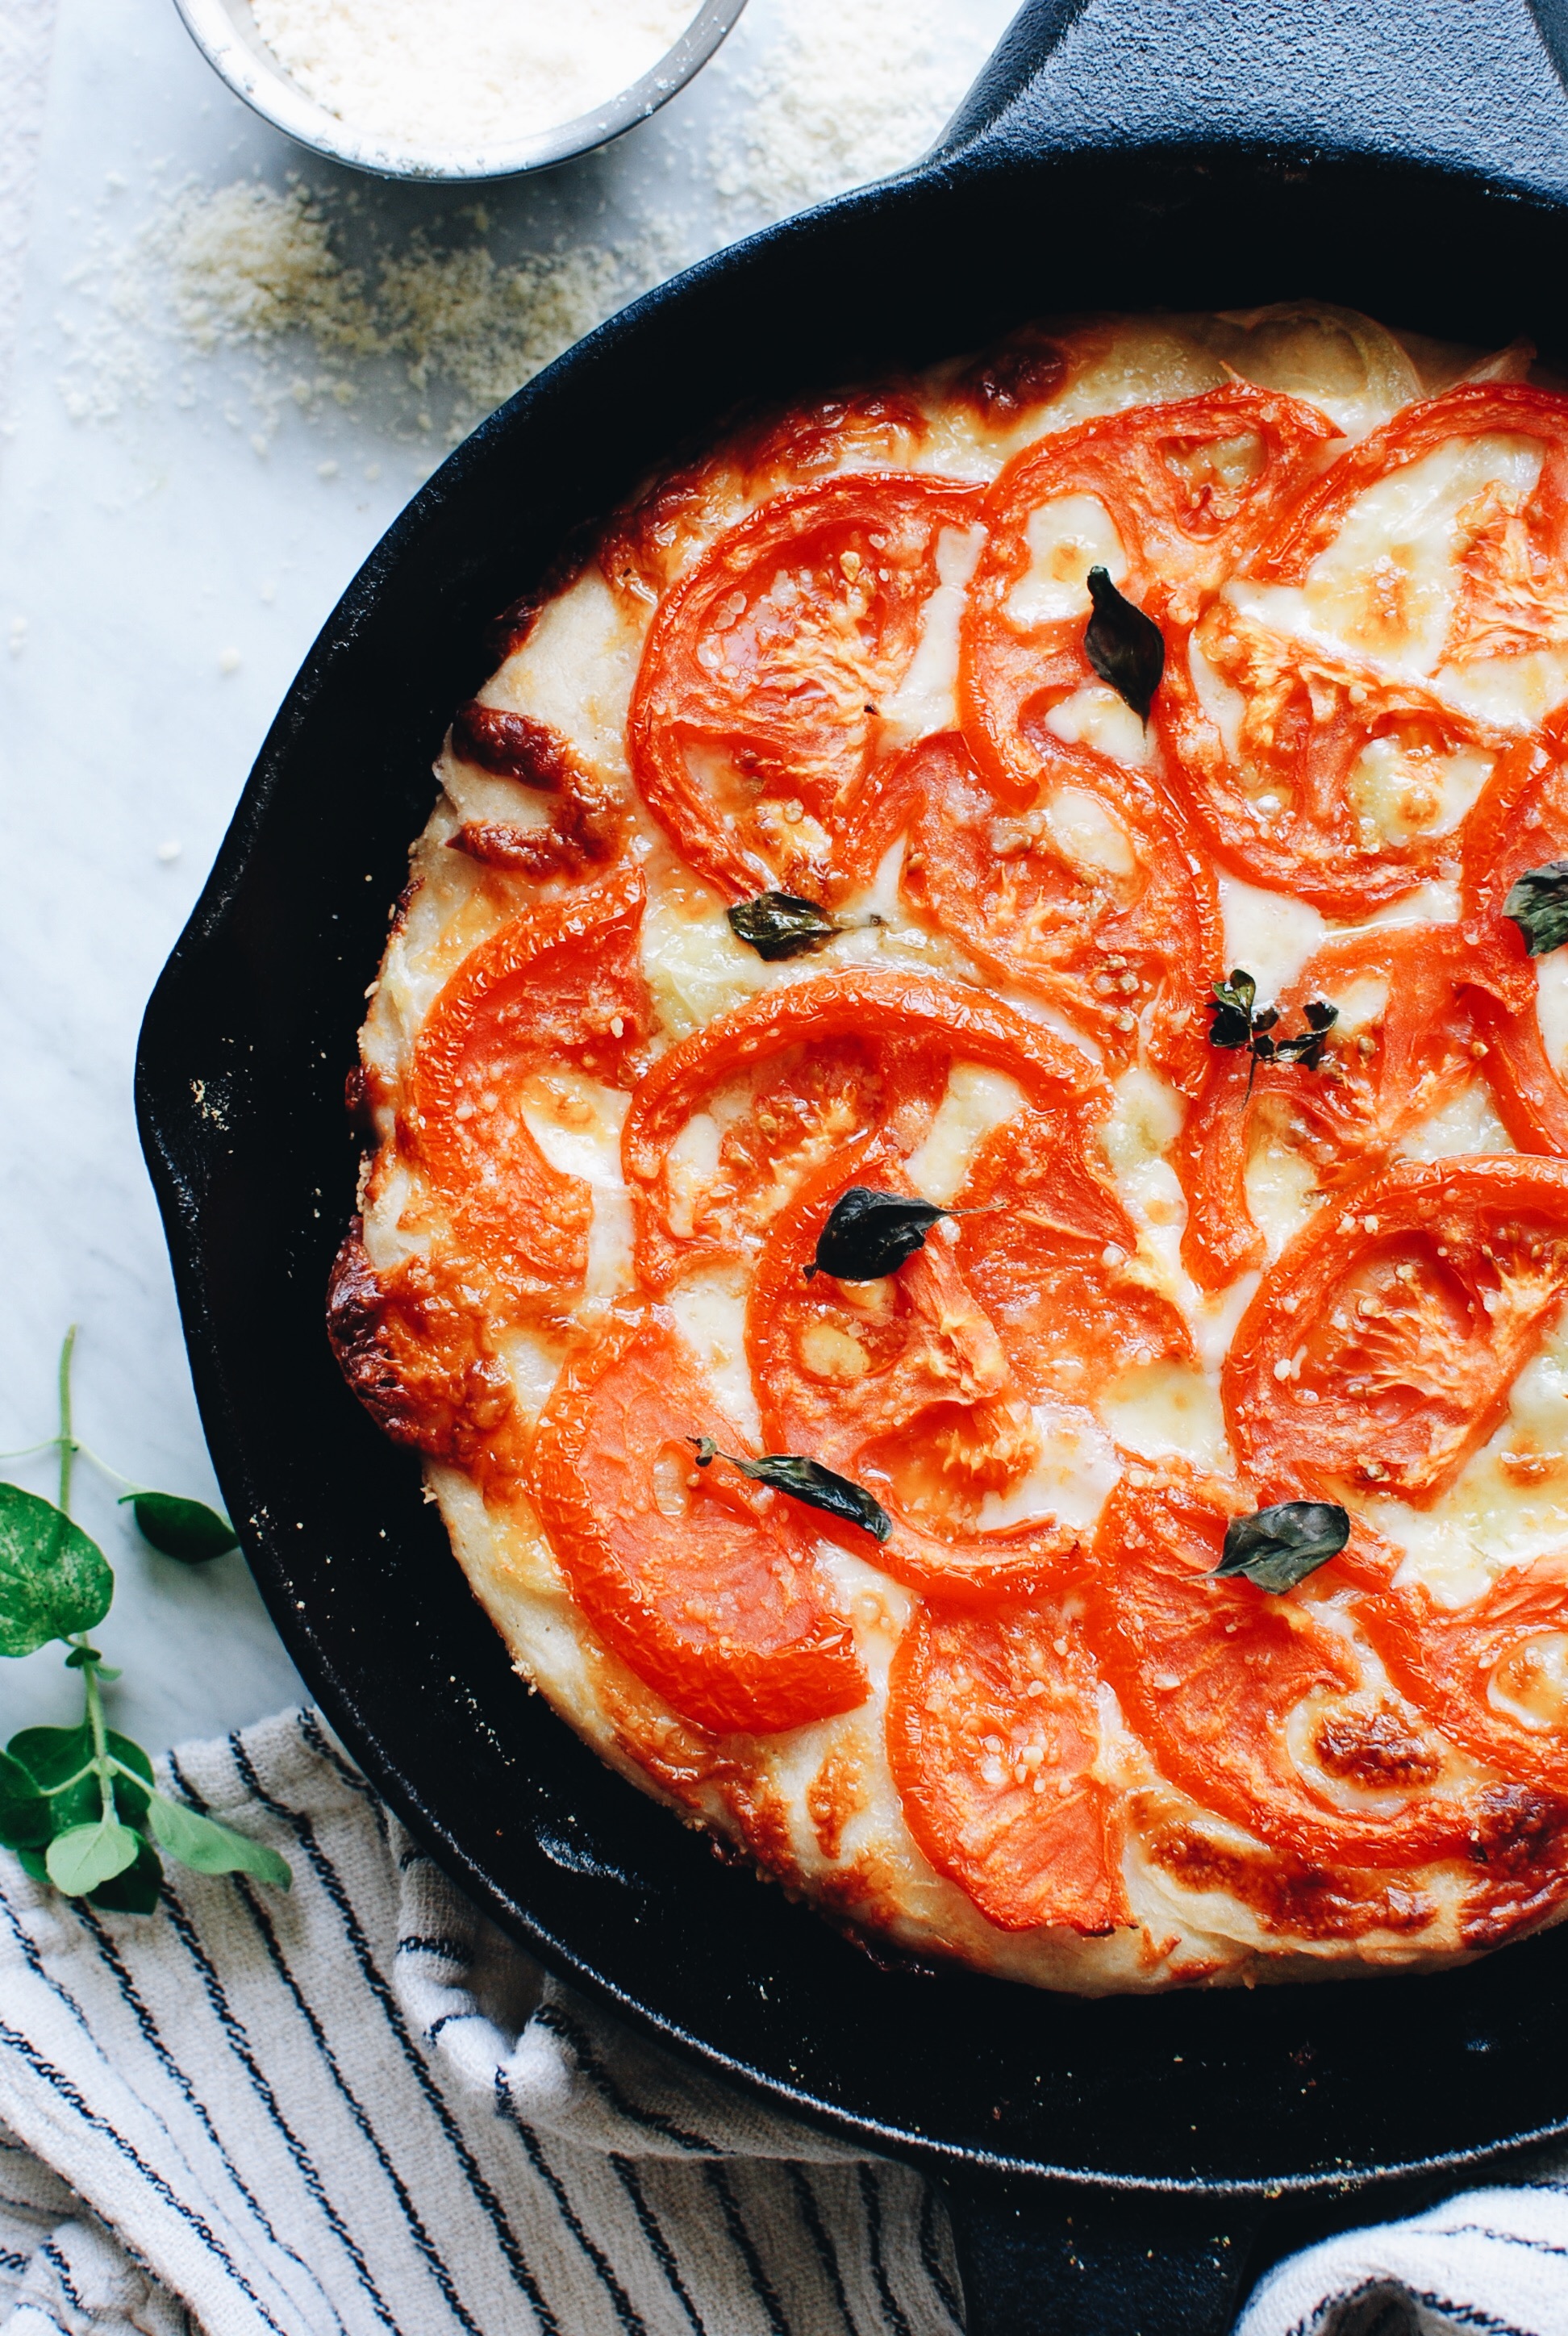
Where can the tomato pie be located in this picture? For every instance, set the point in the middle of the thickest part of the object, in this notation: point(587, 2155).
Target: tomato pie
point(967, 1194)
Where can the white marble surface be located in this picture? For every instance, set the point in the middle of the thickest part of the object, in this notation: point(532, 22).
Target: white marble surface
point(161, 579)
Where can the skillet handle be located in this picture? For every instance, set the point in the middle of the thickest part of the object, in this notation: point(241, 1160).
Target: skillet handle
point(1040, 2260)
point(1472, 85)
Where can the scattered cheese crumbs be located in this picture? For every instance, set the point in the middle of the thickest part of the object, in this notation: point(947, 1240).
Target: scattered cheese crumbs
point(18, 635)
point(326, 470)
point(321, 300)
point(228, 660)
point(471, 73)
point(170, 852)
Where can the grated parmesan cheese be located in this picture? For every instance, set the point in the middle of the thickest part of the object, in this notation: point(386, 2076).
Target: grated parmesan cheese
point(465, 75)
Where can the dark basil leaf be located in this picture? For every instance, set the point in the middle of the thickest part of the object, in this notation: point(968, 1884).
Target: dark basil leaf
point(1280, 1546)
point(1538, 903)
point(1308, 1049)
point(138, 1889)
point(780, 925)
point(186, 1530)
point(807, 1481)
point(869, 1233)
point(1125, 648)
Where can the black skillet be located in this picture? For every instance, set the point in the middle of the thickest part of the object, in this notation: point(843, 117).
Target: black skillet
point(1124, 2165)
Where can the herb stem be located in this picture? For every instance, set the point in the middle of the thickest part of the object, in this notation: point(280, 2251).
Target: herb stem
point(65, 1440)
point(100, 1759)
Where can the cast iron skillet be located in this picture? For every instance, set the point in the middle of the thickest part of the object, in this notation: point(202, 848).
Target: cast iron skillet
point(1123, 2165)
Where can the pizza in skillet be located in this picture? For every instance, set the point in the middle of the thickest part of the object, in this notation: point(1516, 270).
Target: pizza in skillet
point(968, 1199)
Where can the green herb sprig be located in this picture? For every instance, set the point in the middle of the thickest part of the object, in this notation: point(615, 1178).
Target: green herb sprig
point(804, 1480)
point(1240, 1021)
point(79, 1805)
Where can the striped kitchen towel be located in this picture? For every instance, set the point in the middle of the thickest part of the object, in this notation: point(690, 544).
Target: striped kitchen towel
point(356, 2108)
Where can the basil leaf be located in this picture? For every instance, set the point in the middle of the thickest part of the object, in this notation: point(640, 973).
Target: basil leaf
point(780, 924)
point(1279, 1547)
point(208, 1847)
point(137, 1890)
point(87, 1854)
point(52, 1579)
point(806, 1480)
point(1537, 902)
point(1125, 648)
point(26, 1820)
point(185, 1530)
point(869, 1234)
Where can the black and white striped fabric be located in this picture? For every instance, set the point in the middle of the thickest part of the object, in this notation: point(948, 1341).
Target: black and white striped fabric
point(356, 2109)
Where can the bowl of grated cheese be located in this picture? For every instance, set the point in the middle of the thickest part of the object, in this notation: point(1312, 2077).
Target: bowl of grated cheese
point(457, 89)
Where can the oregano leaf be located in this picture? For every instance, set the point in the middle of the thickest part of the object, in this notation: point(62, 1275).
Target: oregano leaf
point(26, 1820)
point(806, 1480)
point(87, 1854)
point(208, 1847)
point(135, 1891)
point(1280, 1546)
point(188, 1531)
point(54, 1579)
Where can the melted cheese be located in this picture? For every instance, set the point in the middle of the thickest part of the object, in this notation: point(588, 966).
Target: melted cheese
point(925, 701)
point(1066, 538)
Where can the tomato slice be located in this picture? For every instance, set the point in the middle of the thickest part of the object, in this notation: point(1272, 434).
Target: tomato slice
point(1379, 1351)
point(1321, 740)
point(646, 548)
point(1469, 410)
point(558, 988)
point(767, 692)
point(1520, 822)
point(1096, 898)
point(1051, 1255)
point(993, 1736)
point(1405, 1047)
point(812, 1066)
point(903, 1385)
point(1171, 499)
point(1338, 785)
point(707, 1590)
point(1494, 1673)
point(1240, 1694)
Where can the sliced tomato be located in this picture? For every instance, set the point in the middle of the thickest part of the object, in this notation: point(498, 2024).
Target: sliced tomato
point(1240, 1694)
point(1379, 1351)
point(1520, 822)
point(707, 1588)
point(1097, 898)
point(1052, 1255)
point(1406, 1045)
point(1326, 738)
point(812, 1066)
point(1292, 807)
point(902, 1385)
point(1470, 409)
point(558, 987)
point(1187, 489)
point(648, 547)
point(1494, 1673)
point(764, 703)
point(993, 1736)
